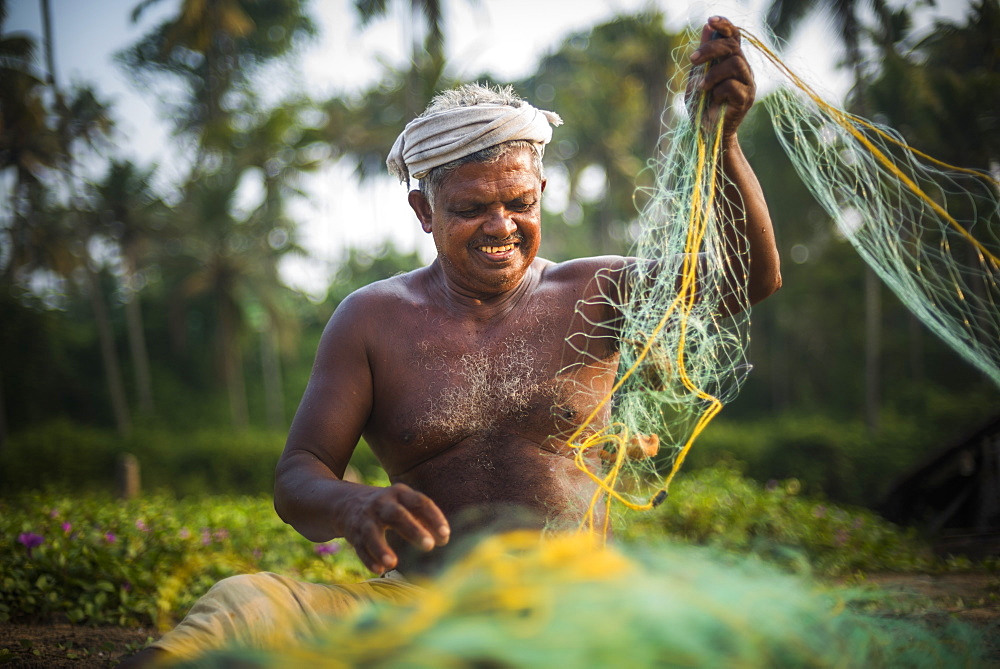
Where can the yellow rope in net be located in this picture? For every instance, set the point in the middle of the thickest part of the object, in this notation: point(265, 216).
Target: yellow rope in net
point(929, 229)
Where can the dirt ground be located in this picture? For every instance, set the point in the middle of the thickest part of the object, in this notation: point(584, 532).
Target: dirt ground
point(973, 598)
point(64, 645)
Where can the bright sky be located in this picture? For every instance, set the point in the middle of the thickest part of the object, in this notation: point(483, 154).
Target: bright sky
point(505, 37)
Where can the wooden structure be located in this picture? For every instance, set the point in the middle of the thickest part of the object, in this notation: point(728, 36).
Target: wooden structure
point(954, 497)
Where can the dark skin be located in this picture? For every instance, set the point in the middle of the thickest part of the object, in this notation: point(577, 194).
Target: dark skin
point(422, 364)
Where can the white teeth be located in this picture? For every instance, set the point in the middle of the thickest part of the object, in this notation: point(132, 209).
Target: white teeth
point(496, 249)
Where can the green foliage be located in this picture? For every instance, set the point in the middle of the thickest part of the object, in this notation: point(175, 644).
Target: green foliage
point(145, 561)
point(212, 53)
point(61, 455)
point(73, 458)
point(360, 268)
point(720, 508)
point(840, 459)
point(65, 457)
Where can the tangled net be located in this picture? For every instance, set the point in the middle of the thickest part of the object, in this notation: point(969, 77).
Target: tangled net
point(570, 601)
point(929, 230)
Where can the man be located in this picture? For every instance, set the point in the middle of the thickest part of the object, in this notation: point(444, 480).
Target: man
point(466, 376)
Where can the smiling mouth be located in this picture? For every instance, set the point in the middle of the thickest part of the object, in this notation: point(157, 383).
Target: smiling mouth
point(505, 248)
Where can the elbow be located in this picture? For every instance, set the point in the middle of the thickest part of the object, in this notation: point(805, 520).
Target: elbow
point(775, 284)
point(766, 288)
point(284, 492)
point(280, 503)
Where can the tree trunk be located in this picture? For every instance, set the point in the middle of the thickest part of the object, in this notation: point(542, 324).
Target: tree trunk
point(232, 367)
point(50, 59)
point(271, 369)
point(109, 356)
point(3, 417)
point(139, 353)
point(873, 348)
point(137, 342)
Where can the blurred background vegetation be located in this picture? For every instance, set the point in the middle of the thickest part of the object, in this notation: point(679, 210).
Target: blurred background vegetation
point(158, 323)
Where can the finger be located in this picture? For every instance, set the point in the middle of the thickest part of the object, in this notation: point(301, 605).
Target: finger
point(372, 562)
point(733, 93)
point(723, 26)
point(398, 519)
point(375, 552)
point(732, 69)
point(706, 33)
point(719, 38)
point(427, 513)
point(716, 50)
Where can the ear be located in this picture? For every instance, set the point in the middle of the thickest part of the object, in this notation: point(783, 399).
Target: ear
point(422, 208)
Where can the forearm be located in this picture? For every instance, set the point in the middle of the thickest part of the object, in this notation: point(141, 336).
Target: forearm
point(752, 261)
point(312, 499)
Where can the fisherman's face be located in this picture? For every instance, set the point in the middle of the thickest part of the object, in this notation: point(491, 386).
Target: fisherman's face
point(486, 223)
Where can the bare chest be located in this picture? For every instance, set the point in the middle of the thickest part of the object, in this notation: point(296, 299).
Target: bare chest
point(452, 386)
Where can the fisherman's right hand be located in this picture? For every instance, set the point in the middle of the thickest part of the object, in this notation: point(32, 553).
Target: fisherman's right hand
point(411, 514)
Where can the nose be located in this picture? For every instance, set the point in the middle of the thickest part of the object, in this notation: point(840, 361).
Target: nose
point(499, 224)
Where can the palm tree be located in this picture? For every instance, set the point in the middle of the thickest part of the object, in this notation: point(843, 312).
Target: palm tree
point(231, 264)
point(27, 144)
point(427, 57)
point(279, 149)
point(940, 93)
point(83, 122)
point(131, 213)
point(214, 49)
point(364, 127)
point(33, 139)
point(433, 18)
point(610, 84)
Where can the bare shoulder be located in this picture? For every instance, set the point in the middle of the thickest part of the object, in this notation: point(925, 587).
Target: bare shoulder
point(363, 314)
point(580, 273)
point(374, 298)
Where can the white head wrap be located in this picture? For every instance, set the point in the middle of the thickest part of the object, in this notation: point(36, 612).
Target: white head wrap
point(441, 137)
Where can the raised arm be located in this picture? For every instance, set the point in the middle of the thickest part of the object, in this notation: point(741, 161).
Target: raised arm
point(750, 235)
point(309, 492)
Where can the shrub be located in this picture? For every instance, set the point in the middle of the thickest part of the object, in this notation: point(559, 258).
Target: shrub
point(70, 458)
point(720, 508)
point(90, 559)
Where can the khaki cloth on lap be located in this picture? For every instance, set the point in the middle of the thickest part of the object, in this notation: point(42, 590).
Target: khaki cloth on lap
point(266, 610)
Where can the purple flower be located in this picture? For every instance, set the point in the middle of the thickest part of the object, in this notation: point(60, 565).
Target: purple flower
point(141, 525)
point(54, 513)
point(326, 549)
point(220, 535)
point(30, 540)
point(206, 536)
point(184, 533)
point(257, 554)
point(842, 537)
point(110, 537)
point(127, 586)
point(67, 528)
